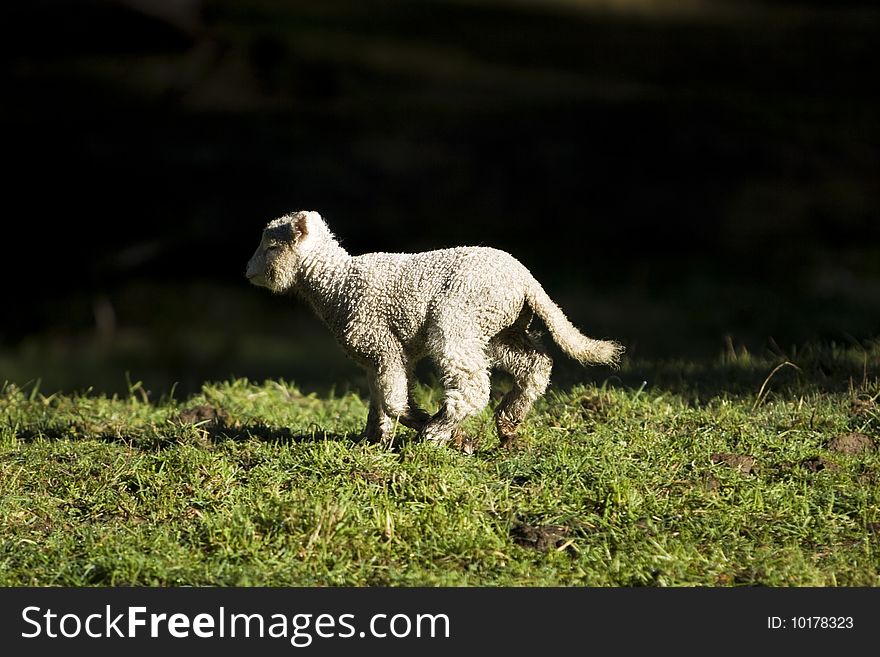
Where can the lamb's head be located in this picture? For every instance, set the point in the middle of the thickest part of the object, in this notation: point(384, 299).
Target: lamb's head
point(285, 244)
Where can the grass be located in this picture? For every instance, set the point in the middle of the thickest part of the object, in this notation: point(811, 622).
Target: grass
point(669, 474)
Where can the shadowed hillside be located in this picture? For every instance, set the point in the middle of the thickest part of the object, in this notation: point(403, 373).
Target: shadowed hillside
point(674, 173)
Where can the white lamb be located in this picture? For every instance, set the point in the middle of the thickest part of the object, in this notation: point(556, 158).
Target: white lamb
point(467, 308)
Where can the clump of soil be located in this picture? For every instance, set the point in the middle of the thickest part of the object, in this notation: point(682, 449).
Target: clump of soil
point(817, 464)
point(370, 476)
point(741, 462)
point(594, 406)
point(711, 484)
point(539, 537)
point(204, 415)
point(862, 407)
point(851, 443)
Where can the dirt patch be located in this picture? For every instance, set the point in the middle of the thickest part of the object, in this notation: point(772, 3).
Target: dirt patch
point(539, 537)
point(711, 484)
point(370, 476)
point(863, 407)
point(594, 406)
point(741, 462)
point(851, 443)
point(817, 464)
point(204, 415)
point(867, 478)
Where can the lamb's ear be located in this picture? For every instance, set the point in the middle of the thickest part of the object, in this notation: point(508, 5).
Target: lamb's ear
point(301, 227)
point(292, 231)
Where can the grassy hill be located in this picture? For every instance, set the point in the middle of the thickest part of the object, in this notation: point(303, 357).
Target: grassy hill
point(737, 471)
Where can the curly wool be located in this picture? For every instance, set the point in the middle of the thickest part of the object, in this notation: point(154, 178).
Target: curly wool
point(468, 309)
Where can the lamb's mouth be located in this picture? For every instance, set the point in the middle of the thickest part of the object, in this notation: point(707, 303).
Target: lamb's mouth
point(257, 279)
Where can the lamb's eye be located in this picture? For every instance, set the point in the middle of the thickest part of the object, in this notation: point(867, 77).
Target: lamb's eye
point(271, 247)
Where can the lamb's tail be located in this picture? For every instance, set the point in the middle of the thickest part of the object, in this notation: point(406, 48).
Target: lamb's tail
point(586, 350)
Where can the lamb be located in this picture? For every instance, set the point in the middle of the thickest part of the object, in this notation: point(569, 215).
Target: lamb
point(467, 308)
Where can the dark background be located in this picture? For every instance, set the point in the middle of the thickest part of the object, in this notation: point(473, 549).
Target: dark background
point(685, 176)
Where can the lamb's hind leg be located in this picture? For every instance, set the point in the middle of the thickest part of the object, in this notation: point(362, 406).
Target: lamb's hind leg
point(526, 359)
point(464, 372)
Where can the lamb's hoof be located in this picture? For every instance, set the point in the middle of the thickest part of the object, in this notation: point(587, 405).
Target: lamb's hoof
point(507, 433)
point(463, 442)
point(372, 439)
point(458, 440)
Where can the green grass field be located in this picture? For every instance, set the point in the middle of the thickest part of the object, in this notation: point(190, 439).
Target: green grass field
point(733, 472)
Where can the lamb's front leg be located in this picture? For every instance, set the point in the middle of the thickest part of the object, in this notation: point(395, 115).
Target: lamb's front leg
point(390, 402)
point(380, 427)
